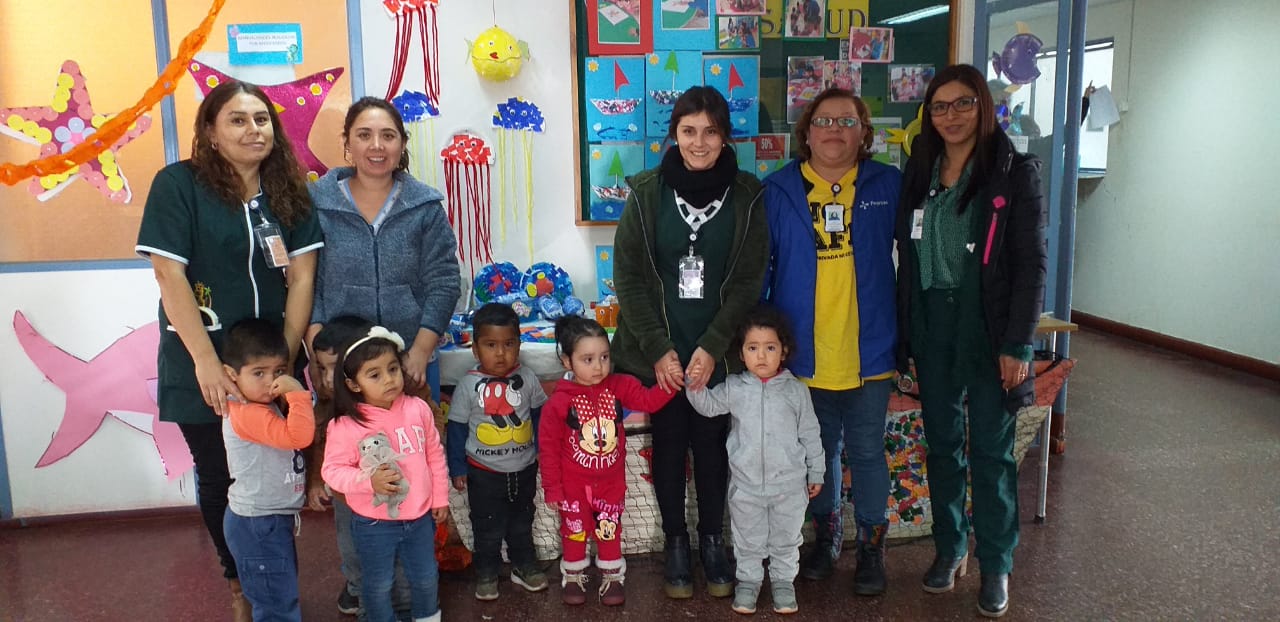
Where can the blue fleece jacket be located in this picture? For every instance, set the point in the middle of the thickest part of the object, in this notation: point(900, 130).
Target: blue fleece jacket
point(404, 277)
point(793, 262)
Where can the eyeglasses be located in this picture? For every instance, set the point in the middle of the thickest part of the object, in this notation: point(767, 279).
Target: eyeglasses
point(849, 122)
point(962, 105)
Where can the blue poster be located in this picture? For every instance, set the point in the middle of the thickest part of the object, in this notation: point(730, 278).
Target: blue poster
point(604, 272)
point(264, 44)
point(746, 151)
point(667, 74)
point(615, 98)
point(738, 79)
point(609, 166)
point(654, 149)
point(683, 25)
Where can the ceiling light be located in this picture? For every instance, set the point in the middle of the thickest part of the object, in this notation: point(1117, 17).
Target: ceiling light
point(916, 15)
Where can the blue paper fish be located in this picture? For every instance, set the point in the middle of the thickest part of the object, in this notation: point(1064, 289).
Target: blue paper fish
point(518, 114)
point(1017, 62)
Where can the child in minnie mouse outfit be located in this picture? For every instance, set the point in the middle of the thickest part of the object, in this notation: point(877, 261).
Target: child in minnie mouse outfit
point(492, 453)
point(584, 454)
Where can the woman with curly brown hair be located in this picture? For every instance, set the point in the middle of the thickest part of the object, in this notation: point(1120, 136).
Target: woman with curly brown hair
point(230, 234)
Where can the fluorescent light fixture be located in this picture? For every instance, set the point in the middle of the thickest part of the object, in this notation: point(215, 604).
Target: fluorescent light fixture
point(919, 14)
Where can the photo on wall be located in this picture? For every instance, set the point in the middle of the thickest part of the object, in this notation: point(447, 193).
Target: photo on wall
point(683, 25)
point(741, 7)
point(907, 83)
point(615, 98)
point(610, 164)
point(871, 45)
point(805, 19)
point(804, 82)
point(667, 74)
point(738, 33)
point(738, 79)
point(685, 14)
point(619, 27)
point(842, 74)
point(881, 149)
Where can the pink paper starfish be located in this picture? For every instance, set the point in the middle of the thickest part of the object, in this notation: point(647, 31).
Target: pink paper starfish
point(297, 102)
point(66, 122)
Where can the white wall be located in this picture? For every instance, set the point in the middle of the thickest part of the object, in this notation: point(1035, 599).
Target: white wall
point(1182, 236)
point(468, 101)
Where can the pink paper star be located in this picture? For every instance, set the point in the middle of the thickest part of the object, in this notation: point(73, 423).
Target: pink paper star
point(297, 102)
point(66, 122)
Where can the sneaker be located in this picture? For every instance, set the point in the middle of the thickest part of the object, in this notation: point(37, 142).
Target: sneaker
point(744, 598)
point(784, 597)
point(612, 592)
point(487, 588)
point(529, 578)
point(348, 603)
point(574, 588)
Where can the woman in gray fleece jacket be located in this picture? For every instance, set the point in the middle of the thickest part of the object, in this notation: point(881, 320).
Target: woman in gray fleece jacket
point(390, 255)
point(775, 459)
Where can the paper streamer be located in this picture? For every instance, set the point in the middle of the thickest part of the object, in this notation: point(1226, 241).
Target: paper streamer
point(467, 160)
point(515, 122)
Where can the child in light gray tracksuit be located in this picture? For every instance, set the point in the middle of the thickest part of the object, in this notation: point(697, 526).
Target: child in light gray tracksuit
point(775, 459)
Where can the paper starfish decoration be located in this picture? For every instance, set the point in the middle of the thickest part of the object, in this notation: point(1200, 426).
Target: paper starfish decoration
point(297, 102)
point(907, 135)
point(66, 122)
point(120, 381)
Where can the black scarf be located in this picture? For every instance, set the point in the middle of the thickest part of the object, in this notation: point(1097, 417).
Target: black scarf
point(699, 188)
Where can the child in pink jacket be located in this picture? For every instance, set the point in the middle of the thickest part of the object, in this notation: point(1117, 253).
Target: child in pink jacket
point(384, 454)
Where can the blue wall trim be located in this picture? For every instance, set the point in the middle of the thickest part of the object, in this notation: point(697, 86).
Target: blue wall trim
point(168, 113)
point(355, 49)
point(71, 266)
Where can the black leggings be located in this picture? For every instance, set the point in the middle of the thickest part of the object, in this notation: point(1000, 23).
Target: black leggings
point(212, 481)
point(677, 428)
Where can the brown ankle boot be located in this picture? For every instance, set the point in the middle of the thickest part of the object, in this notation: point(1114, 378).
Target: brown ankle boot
point(240, 609)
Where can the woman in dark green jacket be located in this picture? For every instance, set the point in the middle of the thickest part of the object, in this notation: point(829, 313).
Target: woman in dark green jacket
point(690, 254)
point(971, 273)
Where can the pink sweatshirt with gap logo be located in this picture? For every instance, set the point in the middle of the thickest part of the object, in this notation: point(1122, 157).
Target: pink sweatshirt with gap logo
point(410, 426)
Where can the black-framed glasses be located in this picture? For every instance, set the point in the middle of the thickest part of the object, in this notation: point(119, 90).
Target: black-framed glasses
point(846, 122)
point(962, 105)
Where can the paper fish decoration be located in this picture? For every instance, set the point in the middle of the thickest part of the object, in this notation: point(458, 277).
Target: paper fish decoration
point(1017, 62)
point(497, 55)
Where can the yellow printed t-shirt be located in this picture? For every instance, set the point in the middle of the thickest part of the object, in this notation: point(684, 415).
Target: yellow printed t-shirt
point(837, 366)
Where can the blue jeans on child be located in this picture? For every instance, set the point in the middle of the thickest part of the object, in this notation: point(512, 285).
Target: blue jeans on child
point(379, 544)
point(267, 563)
point(855, 420)
point(351, 561)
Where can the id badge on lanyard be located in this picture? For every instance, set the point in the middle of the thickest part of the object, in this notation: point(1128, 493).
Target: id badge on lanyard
point(269, 239)
point(691, 275)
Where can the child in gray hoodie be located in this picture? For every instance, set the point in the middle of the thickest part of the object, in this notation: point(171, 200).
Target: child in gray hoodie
point(775, 459)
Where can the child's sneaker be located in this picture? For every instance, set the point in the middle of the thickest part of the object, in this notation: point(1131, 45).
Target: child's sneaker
point(487, 588)
point(784, 597)
point(529, 578)
point(612, 592)
point(574, 586)
point(744, 598)
point(348, 603)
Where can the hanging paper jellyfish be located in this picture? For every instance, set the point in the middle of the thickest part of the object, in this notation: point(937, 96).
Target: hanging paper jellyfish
point(413, 15)
point(466, 174)
point(516, 118)
point(419, 115)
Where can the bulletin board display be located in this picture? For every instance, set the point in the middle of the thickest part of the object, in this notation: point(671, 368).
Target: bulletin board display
point(62, 83)
point(768, 57)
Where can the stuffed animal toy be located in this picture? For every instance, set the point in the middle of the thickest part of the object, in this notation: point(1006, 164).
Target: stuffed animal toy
point(375, 451)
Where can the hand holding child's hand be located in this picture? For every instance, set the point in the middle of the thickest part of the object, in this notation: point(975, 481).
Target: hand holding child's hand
point(316, 496)
point(460, 483)
point(440, 514)
point(384, 480)
point(285, 384)
point(814, 489)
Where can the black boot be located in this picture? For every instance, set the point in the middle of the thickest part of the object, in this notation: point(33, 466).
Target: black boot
point(869, 578)
point(941, 576)
point(678, 576)
point(820, 562)
point(715, 565)
point(993, 598)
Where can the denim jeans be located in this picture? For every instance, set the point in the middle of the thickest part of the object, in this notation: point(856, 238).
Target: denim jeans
point(501, 509)
point(380, 543)
point(351, 560)
point(855, 420)
point(267, 563)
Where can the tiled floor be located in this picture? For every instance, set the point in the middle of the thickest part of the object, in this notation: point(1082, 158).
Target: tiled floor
point(1165, 507)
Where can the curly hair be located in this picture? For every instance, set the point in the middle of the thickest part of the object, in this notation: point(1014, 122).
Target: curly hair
point(806, 118)
point(768, 317)
point(281, 176)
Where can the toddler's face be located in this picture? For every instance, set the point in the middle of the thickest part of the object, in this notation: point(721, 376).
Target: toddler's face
point(497, 348)
point(590, 362)
point(762, 352)
point(254, 378)
point(326, 360)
